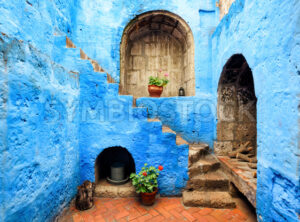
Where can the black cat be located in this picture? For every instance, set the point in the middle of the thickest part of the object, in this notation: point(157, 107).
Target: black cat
point(84, 198)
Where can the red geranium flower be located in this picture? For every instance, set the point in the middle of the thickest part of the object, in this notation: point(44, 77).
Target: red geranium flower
point(145, 173)
point(160, 168)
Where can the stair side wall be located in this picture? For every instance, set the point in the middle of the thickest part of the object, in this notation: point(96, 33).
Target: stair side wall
point(193, 118)
point(109, 120)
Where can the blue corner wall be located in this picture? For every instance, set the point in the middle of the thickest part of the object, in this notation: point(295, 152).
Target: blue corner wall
point(267, 34)
point(39, 151)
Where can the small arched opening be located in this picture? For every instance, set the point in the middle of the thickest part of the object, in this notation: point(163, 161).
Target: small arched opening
point(155, 43)
point(108, 157)
point(236, 108)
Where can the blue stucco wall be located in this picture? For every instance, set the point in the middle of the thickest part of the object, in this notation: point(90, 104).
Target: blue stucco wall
point(100, 25)
point(53, 128)
point(267, 34)
point(98, 31)
point(38, 137)
point(191, 117)
point(109, 120)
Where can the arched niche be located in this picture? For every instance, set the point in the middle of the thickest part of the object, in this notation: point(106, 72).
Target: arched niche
point(236, 109)
point(111, 155)
point(152, 43)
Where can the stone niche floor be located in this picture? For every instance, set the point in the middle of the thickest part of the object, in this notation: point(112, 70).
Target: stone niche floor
point(165, 209)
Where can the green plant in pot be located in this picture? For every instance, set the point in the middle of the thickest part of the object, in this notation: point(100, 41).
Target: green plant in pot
point(145, 183)
point(156, 84)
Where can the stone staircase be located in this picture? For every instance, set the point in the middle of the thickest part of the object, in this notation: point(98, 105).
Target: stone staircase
point(207, 185)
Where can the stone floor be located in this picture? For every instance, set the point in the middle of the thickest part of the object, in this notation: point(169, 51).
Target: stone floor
point(165, 209)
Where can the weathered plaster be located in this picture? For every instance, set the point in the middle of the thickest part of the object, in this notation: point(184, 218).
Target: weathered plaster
point(109, 120)
point(38, 142)
point(270, 43)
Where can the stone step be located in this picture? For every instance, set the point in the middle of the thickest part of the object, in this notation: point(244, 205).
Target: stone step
point(166, 129)
point(180, 141)
point(212, 181)
point(207, 199)
point(199, 146)
point(196, 152)
point(153, 120)
point(204, 165)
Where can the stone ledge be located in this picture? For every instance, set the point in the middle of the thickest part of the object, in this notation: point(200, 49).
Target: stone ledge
point(240, 174)
point(105, 189)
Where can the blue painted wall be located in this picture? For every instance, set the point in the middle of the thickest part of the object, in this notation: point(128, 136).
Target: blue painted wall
point(100, 25)
point(53, 128)
point(99, 28)
point(267, 34)
point(191, 117)
point(109, 120)
point(38, 137)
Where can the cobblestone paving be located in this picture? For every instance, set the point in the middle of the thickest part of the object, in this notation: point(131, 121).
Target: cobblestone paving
point(165, 209)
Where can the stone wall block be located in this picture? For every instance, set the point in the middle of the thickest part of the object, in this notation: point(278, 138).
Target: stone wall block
point(138, 62)
point(222, 148)
point(150, 49)
point(225, 130)
point(133, 77)
point(136, 48)
point(245, 131)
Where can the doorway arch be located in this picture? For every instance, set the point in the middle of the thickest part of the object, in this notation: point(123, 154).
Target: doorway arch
point(236, 109)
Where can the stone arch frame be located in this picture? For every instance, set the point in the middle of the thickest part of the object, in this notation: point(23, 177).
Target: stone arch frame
point(236, 106)
point(113, 150)
point(180, 31)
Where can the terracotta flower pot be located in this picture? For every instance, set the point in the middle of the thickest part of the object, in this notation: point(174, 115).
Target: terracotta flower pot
point(155, 91)
point(148, 199)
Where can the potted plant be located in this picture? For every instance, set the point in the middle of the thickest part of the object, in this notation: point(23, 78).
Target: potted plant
point(156, 84)
point(145, 183)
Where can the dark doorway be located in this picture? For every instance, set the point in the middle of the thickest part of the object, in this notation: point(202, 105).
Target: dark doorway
point(236, 107)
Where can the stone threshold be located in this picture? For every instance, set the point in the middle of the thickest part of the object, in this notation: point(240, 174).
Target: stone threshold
point(105, 189)
point(241, 175)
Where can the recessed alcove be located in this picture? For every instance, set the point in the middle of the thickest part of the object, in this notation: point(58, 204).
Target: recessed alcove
point(109, 156)
point(103, 165)
point(156, 43)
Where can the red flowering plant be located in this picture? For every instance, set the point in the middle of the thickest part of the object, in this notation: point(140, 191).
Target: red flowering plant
point(146, 180)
